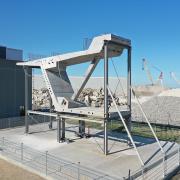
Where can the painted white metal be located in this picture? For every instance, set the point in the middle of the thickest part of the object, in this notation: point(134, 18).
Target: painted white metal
point(47, 82)
point(95, 50)
point(127, 130)
point(54, 69)
point(42, 113)
point(149, 124)
point(72, 117)
point(89, 72)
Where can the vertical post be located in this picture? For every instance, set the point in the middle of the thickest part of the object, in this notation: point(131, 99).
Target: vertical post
point(129, 175)
point(9, 123)
point(26, 99)
point(178, 154)
point(78, 171)
point(46, 162)
point(21, 151)
point(164, 165)
point(58, 129)
point(3, 141)
point(129, 86)
point(63, 129)
point(50, 122)
point(142, 172)
point(81, 128)
point(106, 110)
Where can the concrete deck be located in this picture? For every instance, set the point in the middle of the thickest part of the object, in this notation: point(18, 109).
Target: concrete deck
point(121, 157)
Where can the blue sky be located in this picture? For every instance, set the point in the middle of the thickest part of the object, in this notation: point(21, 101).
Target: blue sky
point(43, 27)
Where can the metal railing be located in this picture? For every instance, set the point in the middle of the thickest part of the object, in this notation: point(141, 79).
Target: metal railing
point(13, 122)
point(159, 169)
point(48, 164)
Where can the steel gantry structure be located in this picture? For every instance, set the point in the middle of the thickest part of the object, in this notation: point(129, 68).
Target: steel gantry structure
point(65, 100)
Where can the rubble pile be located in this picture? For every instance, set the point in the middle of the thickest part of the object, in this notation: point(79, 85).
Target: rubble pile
point(163, 108)
point(40, 99)
point(95, 98)
point(91, 97)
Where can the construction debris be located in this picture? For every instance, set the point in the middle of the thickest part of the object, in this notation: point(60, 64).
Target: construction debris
point(95, 98)
point(162, 108)
point(91, 97)
point(40, 99)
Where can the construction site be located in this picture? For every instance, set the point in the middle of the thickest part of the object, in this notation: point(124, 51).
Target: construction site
point(70, 127)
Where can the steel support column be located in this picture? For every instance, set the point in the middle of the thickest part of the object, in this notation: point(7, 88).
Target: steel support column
point(50, 110)
point(81, 128)
point(26, 99)
point(106, 109)
point(63, 129)
point(60, 129)
point(129, 86)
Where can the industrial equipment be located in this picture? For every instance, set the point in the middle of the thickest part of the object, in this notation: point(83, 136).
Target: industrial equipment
point(149, 75)
point(62, 94)
point(65, 101)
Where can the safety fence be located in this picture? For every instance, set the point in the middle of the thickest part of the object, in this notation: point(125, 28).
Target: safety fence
point(20, 121)
point(50, 165)
point(160, 169)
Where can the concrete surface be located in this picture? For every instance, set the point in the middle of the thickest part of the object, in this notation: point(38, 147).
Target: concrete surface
point(121, 157)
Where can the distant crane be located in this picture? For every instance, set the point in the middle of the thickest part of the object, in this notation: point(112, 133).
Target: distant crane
point(173, 76)
point(145, 67)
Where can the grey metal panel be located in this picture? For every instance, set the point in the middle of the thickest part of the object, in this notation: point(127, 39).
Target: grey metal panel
point(95, 51)
point(14, 54)
point(11, 88)
point(60, 83)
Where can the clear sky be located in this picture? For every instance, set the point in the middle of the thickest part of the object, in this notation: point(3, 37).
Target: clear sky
point(43, 27)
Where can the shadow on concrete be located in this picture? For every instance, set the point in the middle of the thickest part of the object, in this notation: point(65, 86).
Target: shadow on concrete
point(155, 153)
point(122, 137)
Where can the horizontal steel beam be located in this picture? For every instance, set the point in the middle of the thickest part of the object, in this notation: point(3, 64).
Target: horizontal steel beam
point(65, 116)
point(42, 113)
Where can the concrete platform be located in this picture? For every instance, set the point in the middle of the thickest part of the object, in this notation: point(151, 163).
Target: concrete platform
point(120, 160)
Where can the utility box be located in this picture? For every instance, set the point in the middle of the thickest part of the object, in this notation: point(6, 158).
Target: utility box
point(12, 83)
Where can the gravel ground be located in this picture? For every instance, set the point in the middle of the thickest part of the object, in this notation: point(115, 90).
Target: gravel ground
point(177, 176)
point(159, 109)
point(10, 171)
